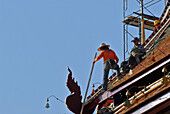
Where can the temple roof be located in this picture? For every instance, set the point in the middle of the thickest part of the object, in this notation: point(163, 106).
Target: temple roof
point(157, 46)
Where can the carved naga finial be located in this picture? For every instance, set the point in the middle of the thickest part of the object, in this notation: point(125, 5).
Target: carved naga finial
point(73, 101)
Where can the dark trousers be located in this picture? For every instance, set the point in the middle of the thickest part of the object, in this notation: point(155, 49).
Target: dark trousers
point(110, 64)
point(133, 61)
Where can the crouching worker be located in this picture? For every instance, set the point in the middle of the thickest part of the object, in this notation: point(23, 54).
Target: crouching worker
point(137, 52)
point(110, 62)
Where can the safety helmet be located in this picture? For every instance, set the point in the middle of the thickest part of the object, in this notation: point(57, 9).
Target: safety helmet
point(156, 22)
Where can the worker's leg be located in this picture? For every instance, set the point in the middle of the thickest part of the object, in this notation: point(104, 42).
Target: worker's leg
point(105, 75)
point(132, 62)
point(137, 59)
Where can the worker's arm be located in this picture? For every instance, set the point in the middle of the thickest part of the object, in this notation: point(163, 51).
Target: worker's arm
point(143, 52)
point(98, 57)
point(116, 59)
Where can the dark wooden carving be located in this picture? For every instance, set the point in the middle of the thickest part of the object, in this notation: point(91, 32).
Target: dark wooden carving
point(73, 101)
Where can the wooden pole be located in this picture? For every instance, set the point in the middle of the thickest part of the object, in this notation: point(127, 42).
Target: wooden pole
point(142, 24)
point(87, 86)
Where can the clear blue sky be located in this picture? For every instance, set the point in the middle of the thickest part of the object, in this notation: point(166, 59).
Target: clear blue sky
point(40, 38)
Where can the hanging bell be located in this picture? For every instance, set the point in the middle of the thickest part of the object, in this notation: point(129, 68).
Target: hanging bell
point(128, 93)
point(47, 105)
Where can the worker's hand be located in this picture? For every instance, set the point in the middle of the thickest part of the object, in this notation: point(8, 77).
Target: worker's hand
point(94, 61)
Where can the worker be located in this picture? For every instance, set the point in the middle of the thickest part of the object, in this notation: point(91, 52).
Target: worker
point(137, 52)
point(156, 24)
point(110, 62)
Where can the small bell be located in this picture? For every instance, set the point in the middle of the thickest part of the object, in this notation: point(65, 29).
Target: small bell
point(128, 93)
point(47, 105)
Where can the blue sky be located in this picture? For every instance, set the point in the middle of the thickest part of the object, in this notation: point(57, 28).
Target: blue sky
point(40, 38)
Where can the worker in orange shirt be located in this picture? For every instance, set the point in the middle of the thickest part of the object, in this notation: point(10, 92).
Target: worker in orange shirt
point(110, 62)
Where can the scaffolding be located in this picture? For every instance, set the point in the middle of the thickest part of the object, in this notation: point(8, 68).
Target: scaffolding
point(140, 20)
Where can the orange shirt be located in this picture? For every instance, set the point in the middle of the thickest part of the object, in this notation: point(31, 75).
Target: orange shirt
point(107, 54)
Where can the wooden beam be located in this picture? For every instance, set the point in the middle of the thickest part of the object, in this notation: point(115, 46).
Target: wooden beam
point(134, 21)
point(147, 16)
point(138, 19)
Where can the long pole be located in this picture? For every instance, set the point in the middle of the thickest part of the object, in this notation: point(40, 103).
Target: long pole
point(87, 86)
point(142, 24)
point(124, 30)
